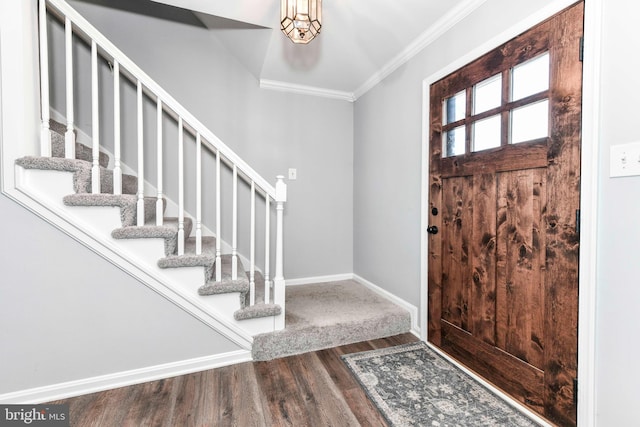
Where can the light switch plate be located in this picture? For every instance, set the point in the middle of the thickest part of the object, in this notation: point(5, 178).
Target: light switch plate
point(293, 174)
point(625, 160)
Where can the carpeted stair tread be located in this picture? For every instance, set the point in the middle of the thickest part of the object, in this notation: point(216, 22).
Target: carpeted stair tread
point(206, 259)
point(168, 231)
point(325, 315)
point(227, 284)
point(126, 202)
point(257, 310)
point(83, 152)
point(82, 173)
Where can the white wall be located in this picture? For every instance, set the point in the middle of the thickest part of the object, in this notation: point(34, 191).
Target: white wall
point(272, 131)
point(618, 278)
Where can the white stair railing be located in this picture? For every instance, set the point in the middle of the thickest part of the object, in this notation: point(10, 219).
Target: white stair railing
point(167, 108)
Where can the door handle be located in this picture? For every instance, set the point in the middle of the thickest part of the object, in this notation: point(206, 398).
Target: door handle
point(432, 229)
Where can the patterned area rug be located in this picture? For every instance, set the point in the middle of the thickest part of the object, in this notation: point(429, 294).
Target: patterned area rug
point(413, 386)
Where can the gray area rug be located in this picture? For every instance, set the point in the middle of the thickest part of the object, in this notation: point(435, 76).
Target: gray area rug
point(412, 385)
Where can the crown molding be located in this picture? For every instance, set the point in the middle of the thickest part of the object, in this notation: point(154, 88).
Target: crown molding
point(306, 90)
point(441, 26)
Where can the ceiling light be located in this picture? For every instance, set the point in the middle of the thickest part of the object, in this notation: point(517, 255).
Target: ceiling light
point(301, 20)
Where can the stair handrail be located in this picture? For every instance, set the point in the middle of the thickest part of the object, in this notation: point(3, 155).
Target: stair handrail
point(76, 24)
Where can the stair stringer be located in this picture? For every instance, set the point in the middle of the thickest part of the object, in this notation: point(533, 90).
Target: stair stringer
point(92, 226)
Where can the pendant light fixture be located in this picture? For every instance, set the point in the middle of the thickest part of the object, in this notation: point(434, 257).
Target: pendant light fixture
point(301, 20)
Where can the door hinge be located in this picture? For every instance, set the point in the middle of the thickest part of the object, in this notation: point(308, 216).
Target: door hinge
point(577, 221)
point(581, 54)
point(575, 391)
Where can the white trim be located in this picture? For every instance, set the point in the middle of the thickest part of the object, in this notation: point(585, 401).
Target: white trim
point(412, 309)
point(306, 90)
point(444, 24)
point(589, 189)
point(589, 195)
point(507, 399)
point(424, 208)
point(319, 279)
point(126, 378)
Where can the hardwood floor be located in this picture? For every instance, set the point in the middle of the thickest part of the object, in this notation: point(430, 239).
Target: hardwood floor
point(312, 389)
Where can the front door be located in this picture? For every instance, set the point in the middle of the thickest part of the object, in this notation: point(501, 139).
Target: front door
point(503, 209)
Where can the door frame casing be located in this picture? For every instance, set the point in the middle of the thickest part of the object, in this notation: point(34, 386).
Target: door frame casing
point(588, 197)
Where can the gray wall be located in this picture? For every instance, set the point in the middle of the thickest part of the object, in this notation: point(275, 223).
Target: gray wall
point(272, 131)
point(388, 153)
point(618, 280)
point(67, 314)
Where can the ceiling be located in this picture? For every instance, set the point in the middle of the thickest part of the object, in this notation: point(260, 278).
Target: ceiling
point(361, 41)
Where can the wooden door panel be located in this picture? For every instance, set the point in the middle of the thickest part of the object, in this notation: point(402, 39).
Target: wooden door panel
point(456, 228)
point(483, 259)
point(521, 264)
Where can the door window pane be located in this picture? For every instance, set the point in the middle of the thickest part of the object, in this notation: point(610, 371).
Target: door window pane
point(454, 108)
point(530, 77)
point(487, 94)
point(486, 133)
point(530, 122)
point(454, 142)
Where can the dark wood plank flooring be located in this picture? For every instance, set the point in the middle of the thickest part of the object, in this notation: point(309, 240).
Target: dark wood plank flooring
point(311, 389)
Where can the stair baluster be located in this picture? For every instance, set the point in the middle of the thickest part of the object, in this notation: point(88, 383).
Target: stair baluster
point(95, 120)
point(218, 221)
point(180, 187)
point(159, 203)
point(234, 227)
point(278, 279)
point(252, 251)
point(69, 137)
point(198, 194)
point(140, 203)
point(117, 168)
point(45, 134)
point(267, 248)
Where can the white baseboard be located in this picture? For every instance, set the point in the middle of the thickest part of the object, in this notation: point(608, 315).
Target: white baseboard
point(319, 279)
point(121, 379)
point(412, 309)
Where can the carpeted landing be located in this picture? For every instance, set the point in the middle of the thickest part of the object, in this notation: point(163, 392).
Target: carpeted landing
point(324, 315)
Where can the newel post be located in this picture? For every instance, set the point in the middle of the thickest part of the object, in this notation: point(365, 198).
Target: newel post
point(278, 279)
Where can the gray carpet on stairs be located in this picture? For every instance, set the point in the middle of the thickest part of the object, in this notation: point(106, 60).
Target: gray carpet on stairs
point(325, 315)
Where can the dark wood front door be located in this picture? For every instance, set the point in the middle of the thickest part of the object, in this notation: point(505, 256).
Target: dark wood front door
point(504, 178)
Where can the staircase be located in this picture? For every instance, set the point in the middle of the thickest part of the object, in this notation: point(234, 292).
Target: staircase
point(196, 228)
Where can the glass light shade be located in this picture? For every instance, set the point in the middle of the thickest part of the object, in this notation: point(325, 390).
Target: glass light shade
point(301, 20)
